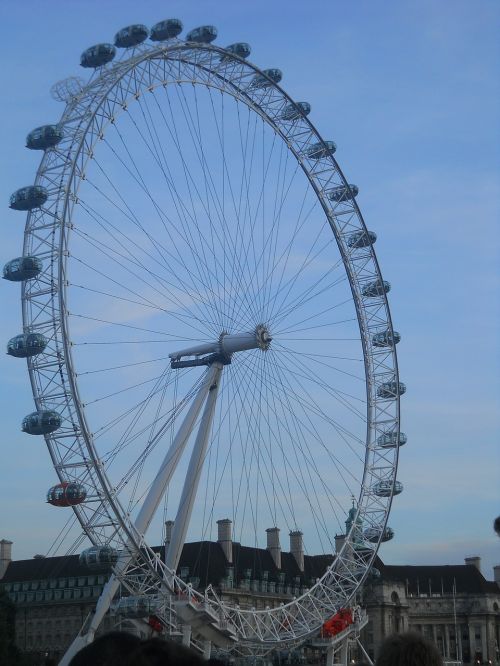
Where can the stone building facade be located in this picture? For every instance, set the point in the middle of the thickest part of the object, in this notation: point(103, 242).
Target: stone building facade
point(453, 606)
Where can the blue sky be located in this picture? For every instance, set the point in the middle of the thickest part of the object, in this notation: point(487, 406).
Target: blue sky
point(410, 93)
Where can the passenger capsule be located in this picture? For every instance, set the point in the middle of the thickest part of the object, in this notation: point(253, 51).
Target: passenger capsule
point(28, 198)
point(389, 440)
point(376, 288)
point(164, 30)
point(240, 49)
point(67, 89)
point(26, 345)
point(391, 389)
point(46, 136)
point(374, 574)
point(262, 80)
point(131, 36)
point(136, 606)
point(202, 35)
point(384, 488)
point(22, 268)
point(66, 494)
point(321, 149)
point(98, 55)
point(386, 338)
point(41, 423)
point(98, 557)
point(373, 534)
point(296, 111)
point(361, 239)
point(343, 193)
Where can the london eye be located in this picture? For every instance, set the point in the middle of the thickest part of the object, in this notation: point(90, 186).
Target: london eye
point(207, 331)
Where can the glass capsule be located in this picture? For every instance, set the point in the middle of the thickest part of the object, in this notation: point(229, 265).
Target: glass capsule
point(44, 137)
point(343, 193)
point(41, 423)
point(29, 197)
point(66, 494)
point(98, 55)
point(202, 35)
point(164, 30)
point(22, 268)
point(26, 345)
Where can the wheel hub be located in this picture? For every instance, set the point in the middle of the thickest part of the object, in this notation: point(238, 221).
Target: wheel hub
point(222, 349)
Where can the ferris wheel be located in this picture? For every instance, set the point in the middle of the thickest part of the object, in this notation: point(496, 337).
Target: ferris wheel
point(207, 332)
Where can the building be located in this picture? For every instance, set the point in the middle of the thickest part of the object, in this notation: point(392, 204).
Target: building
point(455, 606)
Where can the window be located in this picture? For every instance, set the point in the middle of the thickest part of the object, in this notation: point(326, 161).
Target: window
point(427, 631)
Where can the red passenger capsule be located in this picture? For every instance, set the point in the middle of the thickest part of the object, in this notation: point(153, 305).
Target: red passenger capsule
point(66, 494)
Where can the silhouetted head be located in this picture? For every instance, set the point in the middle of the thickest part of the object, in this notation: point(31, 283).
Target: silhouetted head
point(409, 649)
point(158, 652)
point(111, 649)
point(496, 525)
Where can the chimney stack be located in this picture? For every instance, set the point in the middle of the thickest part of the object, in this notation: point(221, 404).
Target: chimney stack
point(297, 548)
point(273, 545)
point(169, 526)
point(5, 555)
point(225, 538)
point(339, 542)
point(496, 574)
point(475, 561)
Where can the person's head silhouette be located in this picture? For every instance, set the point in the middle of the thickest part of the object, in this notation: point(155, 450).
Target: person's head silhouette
point(408, 649)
